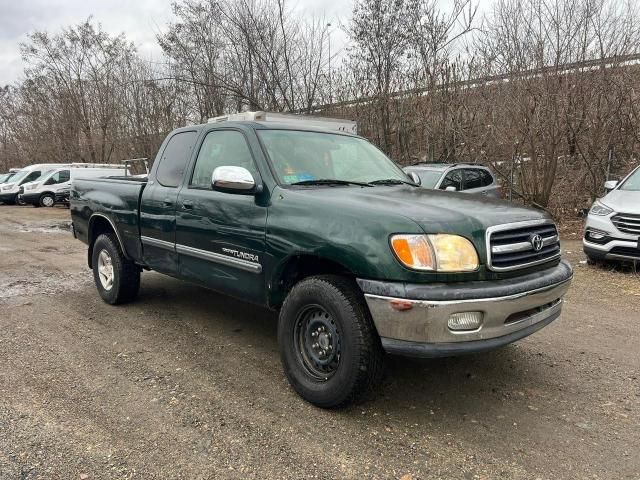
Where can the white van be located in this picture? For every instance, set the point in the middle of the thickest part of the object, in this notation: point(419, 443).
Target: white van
point(9, 191)
point(42, 192)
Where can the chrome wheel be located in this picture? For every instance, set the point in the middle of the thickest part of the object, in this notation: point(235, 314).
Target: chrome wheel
point(317, 342)
point(105, 270)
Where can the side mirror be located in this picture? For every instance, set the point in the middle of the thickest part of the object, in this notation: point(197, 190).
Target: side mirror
point(415, 178)
point(233, 180)
point(451, 188)
point(610, 185)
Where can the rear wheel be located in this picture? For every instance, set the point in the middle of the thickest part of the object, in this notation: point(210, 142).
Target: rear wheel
point(329, 348)
point(116, 277)
point(47, 200)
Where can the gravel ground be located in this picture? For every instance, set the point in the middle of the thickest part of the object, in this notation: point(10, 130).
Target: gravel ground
point(184, 383)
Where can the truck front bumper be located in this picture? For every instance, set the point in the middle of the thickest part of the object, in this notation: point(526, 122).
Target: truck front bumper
point(415, 319)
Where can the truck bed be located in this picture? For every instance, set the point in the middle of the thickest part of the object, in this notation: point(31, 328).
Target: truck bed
point(115, 198)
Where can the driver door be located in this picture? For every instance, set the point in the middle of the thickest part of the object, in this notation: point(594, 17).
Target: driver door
point(220, 237)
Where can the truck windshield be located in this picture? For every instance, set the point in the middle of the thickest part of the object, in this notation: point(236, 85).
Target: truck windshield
point(298, 156)
point(633, 182)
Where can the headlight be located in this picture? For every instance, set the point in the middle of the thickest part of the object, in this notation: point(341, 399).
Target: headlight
point(600, 209)
point(439, 253)
point(30, 187)
point(8, 186)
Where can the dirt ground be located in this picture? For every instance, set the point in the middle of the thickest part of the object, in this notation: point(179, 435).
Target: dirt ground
point(184, 383)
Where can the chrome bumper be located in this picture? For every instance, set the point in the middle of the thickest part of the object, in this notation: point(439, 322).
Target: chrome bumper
point(420, 327)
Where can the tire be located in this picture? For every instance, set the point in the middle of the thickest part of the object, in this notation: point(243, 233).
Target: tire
point(47, 200)
point(124, 274)
point(343, 368)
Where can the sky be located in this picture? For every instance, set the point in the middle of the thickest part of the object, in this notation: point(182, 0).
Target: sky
point(140, 20)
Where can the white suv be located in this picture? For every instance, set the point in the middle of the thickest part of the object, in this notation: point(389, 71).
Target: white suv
point(612, 231)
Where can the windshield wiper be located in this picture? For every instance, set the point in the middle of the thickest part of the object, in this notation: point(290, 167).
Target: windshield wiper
point(392, 181)
point(330, 181)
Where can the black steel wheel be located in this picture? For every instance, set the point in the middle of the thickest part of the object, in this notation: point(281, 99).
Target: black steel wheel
point(330, 350)
point(318, 342)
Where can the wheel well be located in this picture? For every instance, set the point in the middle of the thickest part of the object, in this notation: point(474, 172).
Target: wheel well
point(97, 226)
point(297, 268)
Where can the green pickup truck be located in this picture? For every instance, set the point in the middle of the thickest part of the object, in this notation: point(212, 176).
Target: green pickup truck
point(319, 225)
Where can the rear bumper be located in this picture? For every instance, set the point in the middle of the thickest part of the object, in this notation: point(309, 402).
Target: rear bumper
point(414, 320)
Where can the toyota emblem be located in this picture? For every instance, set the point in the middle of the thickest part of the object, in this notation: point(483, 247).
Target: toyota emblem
point(536, 242)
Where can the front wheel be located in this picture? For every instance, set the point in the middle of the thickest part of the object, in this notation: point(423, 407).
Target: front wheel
point(47, 200)
point(116, 277)
point(329, 348)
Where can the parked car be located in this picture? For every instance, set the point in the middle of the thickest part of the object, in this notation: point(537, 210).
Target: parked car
point(457, 177)
point(42, 192)
point(612, 229)
point(5, 177)
point(321, 226)
point(10, 190)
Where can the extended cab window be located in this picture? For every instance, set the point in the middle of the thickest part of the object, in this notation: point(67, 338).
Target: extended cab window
point(221, 148)
point(452, 179)
point(174, 159)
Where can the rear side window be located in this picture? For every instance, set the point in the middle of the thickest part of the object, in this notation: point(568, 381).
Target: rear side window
point(174, 159)
point(221, 148)
point(486, 178)
point(472, 178)
point(452, 179)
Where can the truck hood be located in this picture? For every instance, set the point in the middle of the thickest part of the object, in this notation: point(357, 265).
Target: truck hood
point(623, 201)
point(434, 211)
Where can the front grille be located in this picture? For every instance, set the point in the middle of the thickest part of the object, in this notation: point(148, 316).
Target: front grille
point(627, 222)
point(511, 246)
point(626, 252)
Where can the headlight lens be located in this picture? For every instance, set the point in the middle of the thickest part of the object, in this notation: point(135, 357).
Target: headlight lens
point(441, 253)
point(600, 209)
point(8, 186)
point(31, 187)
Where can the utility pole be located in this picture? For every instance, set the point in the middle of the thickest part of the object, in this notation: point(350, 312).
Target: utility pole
point(330, 89)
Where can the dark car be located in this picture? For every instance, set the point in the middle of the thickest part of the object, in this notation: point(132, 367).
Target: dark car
point(322, 227)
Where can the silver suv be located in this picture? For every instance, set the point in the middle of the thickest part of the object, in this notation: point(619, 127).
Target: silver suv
point(457, 177)
point(612, 231)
